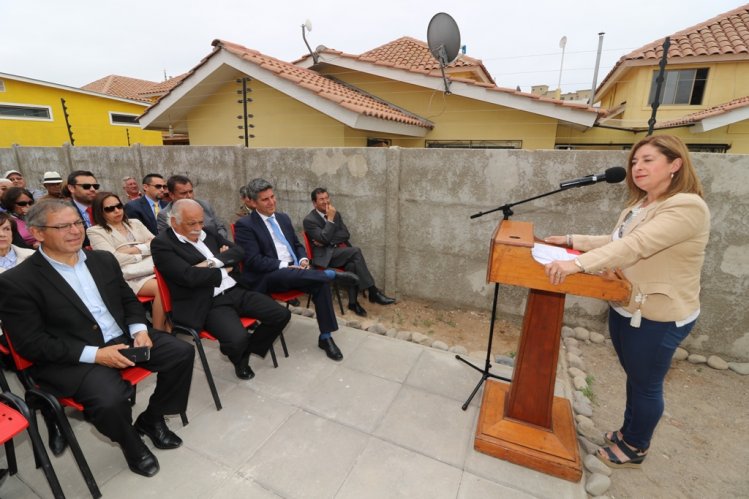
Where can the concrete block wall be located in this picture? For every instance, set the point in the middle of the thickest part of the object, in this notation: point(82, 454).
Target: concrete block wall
point(409, 209)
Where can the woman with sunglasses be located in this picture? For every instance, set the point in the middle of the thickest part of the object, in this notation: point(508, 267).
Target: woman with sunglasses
point(659, 243)
point(18, 201)
point(130, 242)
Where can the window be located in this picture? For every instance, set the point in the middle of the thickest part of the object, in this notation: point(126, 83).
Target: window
point(123, 119)
point(2, 85)
point(11, 111)
point(683, 86)
point(474, 144)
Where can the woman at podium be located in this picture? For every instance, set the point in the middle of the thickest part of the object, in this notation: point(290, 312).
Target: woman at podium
point(659, 244)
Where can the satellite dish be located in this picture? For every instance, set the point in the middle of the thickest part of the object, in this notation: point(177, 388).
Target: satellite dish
point(443, 38)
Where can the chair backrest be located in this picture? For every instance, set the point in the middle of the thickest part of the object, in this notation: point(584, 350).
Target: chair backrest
point(307, 244)
point(21, 362)
point(233, 237)
point(166, 296)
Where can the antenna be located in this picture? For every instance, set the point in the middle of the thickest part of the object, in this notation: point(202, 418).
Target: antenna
point(307, 26)
point(443, 38)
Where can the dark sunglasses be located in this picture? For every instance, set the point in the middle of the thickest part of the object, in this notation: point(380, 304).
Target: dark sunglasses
point(24, 203)
point(159, 186)
point(110, 209)
point(86, 187)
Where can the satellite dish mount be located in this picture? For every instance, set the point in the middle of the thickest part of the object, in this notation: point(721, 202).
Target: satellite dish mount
point(307, 26)
point(443, 38)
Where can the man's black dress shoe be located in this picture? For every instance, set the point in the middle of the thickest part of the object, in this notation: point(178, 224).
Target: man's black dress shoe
point(347, 279)
point(242, 368)
point(57, 442)
point(357, 309)
point(376, 296)
point(331, 349)
point(143, 462)
point(159, 433)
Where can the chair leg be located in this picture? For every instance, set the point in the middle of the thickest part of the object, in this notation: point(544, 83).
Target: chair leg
point(183, 416)
point(43, 457)
point(33, 398)
point(283, 345)
point(338, 295)
point(273, 356)
point(10, 456)
point(204, 363)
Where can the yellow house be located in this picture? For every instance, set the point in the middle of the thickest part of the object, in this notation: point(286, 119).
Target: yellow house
point(344, 100)
point(39, 113)
point(704, 98)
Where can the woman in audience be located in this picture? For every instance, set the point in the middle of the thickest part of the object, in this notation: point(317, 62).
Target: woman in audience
point(18, 201)
point(130, 242)
point(10, 254)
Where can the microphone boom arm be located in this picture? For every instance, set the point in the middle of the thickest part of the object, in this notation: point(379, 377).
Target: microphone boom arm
point(507, 208)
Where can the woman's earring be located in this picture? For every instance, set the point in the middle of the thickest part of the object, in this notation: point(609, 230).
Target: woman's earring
point(672, 174)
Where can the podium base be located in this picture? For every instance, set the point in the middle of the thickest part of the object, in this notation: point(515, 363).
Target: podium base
point(552, 451)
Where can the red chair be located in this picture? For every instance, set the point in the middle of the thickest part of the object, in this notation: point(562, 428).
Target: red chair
point(15, 417)
point(197, 336)
point(133, 375)
point(308, 247)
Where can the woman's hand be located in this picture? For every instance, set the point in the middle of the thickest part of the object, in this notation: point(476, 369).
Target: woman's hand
point(558, 240)
point(559, 269)
point(129, 250)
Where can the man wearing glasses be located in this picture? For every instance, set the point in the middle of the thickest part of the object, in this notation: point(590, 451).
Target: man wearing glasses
point(82, 187)
point(70, 312)
point(147, 208)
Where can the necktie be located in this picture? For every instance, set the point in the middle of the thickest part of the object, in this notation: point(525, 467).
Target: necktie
point(282, 238)
point(90, 213)
point(156, 208)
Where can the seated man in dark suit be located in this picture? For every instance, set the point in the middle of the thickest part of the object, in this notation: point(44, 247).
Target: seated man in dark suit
point(147, 207)
point(275, 261)
point(196, 266)
point(331, 247)
point(70, 312)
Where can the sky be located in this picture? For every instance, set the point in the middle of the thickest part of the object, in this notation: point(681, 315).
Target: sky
point(75, 42)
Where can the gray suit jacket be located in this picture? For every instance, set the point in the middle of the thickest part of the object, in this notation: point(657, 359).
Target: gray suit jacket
point(212, 222)
point(329, 234)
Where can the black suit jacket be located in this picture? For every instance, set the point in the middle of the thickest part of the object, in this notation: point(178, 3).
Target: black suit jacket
point(329, 234)
point(141, 209)
point(49, 324)
point(191, 287)
point(260, 256)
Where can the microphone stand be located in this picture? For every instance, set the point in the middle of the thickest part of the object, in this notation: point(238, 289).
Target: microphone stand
point(485, 374)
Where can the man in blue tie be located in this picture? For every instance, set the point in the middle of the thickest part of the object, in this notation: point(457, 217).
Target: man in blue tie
point(275, 261)
point(147, 208)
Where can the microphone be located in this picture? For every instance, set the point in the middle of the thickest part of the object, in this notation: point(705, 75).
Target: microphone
point(611, 175)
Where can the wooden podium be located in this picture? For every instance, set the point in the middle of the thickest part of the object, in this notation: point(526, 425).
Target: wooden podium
point(524, 422)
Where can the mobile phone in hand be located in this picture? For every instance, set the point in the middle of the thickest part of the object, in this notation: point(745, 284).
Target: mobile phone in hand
point(136, 354)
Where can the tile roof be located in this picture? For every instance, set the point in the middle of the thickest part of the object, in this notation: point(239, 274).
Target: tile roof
point(121, 86)
point(413, 55)
point(724, 35)
point(327, 88)
point(706, 113)
point(165, 86)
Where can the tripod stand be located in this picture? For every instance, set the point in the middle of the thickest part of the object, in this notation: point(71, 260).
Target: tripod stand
point(485, 372)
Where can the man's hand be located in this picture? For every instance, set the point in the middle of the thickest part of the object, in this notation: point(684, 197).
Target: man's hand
point(110, 357)
point(141, 339)
point(317, 243)
point(204, 264)
point(330, 212)
point(223, 248)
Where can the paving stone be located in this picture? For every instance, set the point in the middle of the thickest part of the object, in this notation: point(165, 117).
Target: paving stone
point(697, 359)
point(680, 354)
point(597, 484)
point(717, 363)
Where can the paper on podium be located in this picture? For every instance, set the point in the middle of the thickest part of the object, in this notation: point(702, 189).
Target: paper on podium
point(545, 253)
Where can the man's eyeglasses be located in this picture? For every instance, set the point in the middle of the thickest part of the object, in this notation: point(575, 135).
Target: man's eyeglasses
point(86, 187)
point(64, 227)
point(159, 186)
point(110, 209)
point(24, 203)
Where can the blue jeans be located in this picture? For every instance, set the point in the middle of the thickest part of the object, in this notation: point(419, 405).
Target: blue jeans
point(645, 354)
